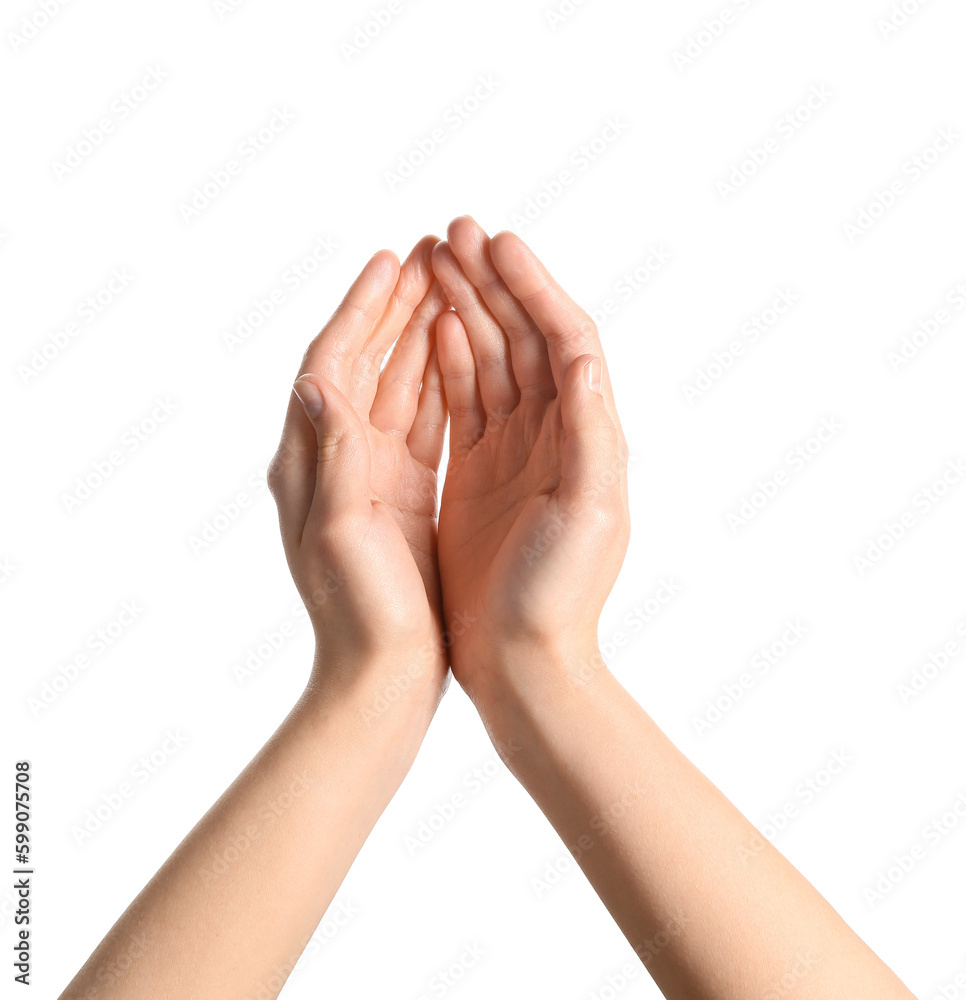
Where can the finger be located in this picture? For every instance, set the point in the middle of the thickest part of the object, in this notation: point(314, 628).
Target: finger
point(460, 388)
point(292, 470)
point(413, 282)
point(528, 348)
point(342, 339)
point(592, 467)
point(569, 331)
point(397, 394)
point(426, 437)
point(491, 350)
point(342, 457)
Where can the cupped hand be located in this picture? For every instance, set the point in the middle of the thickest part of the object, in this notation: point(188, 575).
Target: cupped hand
point(354, 478)
point(534, 520)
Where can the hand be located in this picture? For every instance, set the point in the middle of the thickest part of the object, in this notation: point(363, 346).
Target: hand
point(534, 519)
point(354, 479)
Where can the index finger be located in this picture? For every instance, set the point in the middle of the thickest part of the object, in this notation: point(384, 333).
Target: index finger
point(341, 340)
point(331, 353)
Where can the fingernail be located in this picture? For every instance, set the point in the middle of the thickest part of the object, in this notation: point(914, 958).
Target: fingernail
point(308, 392)
point(592, 370)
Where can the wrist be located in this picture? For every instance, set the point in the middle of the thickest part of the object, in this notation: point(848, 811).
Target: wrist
point(387, 700)
point(379, 674)
point(527, 688)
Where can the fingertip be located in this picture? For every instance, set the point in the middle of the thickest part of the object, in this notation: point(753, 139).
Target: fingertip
point(310, 395)
point(440, 250)
point(384, 266)
point(322, 383)
point(445, 263)
point(424, 248)
point(415, 274)
point(450, 328)
point(465, 233)
point(585, 370)
point(454, 353)
point(461, 391)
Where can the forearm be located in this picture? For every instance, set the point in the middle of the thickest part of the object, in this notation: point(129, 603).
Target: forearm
point(712, 909)
point(231, 910)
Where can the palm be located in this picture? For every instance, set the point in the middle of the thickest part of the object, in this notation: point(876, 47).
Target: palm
point(525, 510)
point(406, 489)
point(498, 508)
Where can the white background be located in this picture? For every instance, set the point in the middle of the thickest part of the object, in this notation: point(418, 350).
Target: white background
point(69, 567)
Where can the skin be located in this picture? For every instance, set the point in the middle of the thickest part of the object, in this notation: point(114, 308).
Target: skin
point(533, 528)
point(712, 909)
point(355, 485)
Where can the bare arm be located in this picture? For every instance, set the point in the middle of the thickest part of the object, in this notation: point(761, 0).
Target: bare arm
point(710, 907)
point(229, 913)
point(533, 529)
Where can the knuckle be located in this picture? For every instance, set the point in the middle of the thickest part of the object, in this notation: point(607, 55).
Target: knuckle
point(367, 366)
point(607, 518)
point(459, 409)
point(330, 445)
point(495, 360)
point(275, 475)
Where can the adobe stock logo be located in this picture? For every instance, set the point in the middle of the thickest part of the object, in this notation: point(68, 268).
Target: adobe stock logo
point(140, 773)
point(261, 309)
point(899, 15)
point(933, 666)
point(912, 171)
point(904, 862)
point(760, 666)
point(32, 24)
point(897, 528)
point(785, 129)
point(370, 29)
point(87, 311)
point(581, 159)
point(132, 440)
point(225, 7)
point(561, 12)
point(95, 644)
point(722, 361)
point(454, 118)
point(710, 31)
point(443, 813)
point(448, 977)
point(119, 111)
point(796, 460)
point(630, 283)
point(928, 328)
point(248, 150)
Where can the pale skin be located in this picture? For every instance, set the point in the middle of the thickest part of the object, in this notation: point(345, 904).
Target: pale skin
point(533, 527)
point(712, 909)
point(355, 486)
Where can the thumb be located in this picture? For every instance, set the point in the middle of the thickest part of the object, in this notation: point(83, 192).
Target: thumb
point(343, 463)
point(591, 465)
